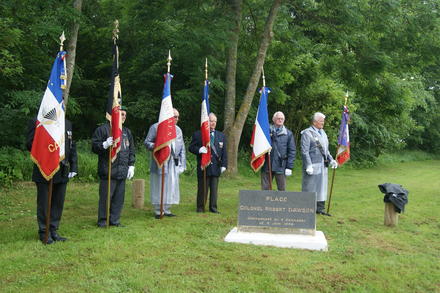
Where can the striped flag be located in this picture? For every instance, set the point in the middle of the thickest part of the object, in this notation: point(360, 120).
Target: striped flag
point(166, 129)
point(343, 152)
point(49, 141)
point(113, 114)
point(204, 127)
point(260, 141)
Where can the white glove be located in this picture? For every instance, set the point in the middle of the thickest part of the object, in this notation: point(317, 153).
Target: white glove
point(72, 174)
point(309, 170)
point(130, 173)
point(106, 144)
point(333, 164)
point(288, 172)
point(222, 169)
point(180, 170)
point(203, 150)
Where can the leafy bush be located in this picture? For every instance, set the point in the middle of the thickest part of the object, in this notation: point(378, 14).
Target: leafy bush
point(15, 165)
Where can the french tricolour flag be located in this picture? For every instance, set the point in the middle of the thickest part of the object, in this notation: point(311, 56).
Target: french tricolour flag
point(48, 144)
point(343, 152)
point(260, 141)
point(204, 126)
point(166, 129)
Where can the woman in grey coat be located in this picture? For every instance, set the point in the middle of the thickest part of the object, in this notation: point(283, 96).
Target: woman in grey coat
point(316, 159)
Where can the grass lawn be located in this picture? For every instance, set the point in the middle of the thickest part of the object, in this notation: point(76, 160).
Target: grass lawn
point(187, 253)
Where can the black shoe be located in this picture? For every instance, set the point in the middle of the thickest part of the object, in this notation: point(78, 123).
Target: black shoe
point(49, 239)
point(57, 237)
point(323, 213)
point(170, 215)
point(200, 211)
point(157, 216)
point(102, 225)
point(119, 225)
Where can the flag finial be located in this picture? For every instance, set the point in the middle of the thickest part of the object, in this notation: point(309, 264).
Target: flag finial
point(62, 39)
point(169, 60)
point(206, 68)
point(264, 78)
point(116, 30)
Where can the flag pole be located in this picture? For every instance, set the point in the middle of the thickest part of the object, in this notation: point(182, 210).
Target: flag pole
point(334, 170)
point(49, 191)
point(163, 166)
point(205, 184)
point(269, 165)
point(115, 37)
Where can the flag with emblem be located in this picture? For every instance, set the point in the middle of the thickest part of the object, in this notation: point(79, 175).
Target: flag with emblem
point(166, 129)
point(49, 141)
point(113, 114)
point(343, 152)
point(260, 140)
point(204, 127)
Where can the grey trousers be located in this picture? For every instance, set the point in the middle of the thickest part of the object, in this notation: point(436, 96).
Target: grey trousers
point(56, 208)
point(279, 178)
point(117, 194)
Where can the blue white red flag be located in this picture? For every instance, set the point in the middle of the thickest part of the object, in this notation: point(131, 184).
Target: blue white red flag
point(343, 152)
point(48, 145)
point(204, 127)
point(113, 114)
point(260, 141)
point(166, 128)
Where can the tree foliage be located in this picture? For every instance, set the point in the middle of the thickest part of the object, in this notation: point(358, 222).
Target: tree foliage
point(383, 52)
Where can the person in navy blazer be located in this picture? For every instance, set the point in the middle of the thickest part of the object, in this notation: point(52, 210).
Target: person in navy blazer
point(219, 163)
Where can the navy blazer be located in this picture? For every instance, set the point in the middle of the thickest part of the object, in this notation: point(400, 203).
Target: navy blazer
point(219, 157)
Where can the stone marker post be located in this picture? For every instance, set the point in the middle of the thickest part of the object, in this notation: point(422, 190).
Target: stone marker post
point(138, 193)
point(391, 217)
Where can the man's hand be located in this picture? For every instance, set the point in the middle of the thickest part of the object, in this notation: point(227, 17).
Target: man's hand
point(203, 150)
point(106, 144)
point(333, 164)
point(309, 170)
point(71, 175)
point(130, 172)
point(288, 172)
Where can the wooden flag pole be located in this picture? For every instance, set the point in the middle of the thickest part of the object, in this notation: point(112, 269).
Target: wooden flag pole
point(49, 207)
point(162, 191)
point(269, 165)
point(205, 190)
point(331, 191)
point(107, 221)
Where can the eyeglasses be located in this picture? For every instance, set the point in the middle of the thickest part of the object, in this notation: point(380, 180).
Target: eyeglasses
point(177, 117)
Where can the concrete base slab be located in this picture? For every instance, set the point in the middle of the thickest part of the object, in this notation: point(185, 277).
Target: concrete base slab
point(315, 242)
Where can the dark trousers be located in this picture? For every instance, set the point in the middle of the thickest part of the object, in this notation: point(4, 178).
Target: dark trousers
point(320, 206)
point(117, 194)
point(279, 178)
point(212, 187)
point(57, 205)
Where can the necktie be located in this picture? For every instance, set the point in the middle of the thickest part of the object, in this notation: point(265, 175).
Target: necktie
point(212, 138)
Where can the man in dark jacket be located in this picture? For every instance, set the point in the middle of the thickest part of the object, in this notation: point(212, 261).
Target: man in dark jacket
point(219, 163)
point(282, 155)
point(68, 169)
point(122, 168)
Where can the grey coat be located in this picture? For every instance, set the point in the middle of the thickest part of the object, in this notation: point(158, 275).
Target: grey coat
point(283, 152)
point(312, 156)
point(172, 168)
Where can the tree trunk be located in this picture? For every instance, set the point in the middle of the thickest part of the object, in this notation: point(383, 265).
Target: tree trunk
point(71, 51)
point(234, 134)
point(231, 66)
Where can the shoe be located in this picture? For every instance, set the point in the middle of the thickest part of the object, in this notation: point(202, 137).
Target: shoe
point(57, 237)
point(215, 212)
point(119, 225)
point(157, 216)
point(170, 215)
point(200, 211)
point(323, 213)
point(102, 225)
point(49, 239)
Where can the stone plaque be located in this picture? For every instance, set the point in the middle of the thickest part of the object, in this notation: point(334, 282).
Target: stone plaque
point(272, 211)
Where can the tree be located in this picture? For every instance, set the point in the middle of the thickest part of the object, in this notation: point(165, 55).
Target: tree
point(234, 129)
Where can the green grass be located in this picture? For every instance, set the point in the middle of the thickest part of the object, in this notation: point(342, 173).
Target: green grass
point(187, 253)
